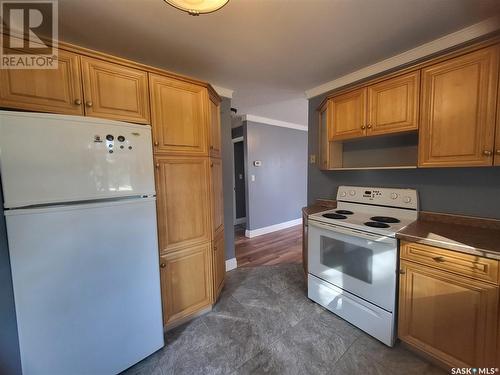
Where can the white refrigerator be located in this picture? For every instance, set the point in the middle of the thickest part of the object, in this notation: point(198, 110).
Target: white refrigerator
point(79, 203)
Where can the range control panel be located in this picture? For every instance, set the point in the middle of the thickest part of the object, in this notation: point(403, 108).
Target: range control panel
point(392, 197)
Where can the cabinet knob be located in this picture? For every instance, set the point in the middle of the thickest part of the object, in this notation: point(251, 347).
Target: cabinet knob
point(157, 165)
point(163, 265)
point(89, 103)
point(156, 143)
point(211, 147)
point(215, 248)
point(363, 127)
point(211, 164)
point(487, 153)
point(402, 271)
point(369, 126)
point(497, 152)
point(439, 259)
point(78, 102)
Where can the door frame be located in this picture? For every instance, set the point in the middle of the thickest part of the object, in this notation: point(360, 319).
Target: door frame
point(241, 220)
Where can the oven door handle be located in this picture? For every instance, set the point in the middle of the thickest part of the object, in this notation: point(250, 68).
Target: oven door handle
point(353, 232)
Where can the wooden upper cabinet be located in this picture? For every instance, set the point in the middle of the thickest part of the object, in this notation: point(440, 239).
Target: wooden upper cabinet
point(458, 106)
point(450, 317)
point(183, 201)
point(186, 282)
point(348, 118)
point(115, 92)
point(215, 130)
point(219, 265)
point(393, 105)
point(44, 90)
point(217, 196)
point(179, 116)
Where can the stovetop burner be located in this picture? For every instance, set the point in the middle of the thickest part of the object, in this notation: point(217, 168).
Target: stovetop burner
point(344, 212)
point(385, 219)
point(376, 224)
point(334, 216)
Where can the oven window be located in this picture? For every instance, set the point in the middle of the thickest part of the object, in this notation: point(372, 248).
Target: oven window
point(353, 260)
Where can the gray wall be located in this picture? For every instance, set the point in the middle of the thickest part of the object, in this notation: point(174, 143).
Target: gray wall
point(467, 191)
point(227, 176)
point(279, 190)
point(9, 344)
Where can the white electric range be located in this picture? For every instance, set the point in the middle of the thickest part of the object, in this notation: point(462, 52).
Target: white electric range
point(353, 256)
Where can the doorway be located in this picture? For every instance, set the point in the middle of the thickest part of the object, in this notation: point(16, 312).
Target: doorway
point(239, 182)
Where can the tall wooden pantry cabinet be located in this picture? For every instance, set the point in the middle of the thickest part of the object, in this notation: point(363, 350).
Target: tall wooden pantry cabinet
point(185, 117)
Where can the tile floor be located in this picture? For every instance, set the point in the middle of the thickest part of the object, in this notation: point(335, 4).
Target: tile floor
point(265, 324)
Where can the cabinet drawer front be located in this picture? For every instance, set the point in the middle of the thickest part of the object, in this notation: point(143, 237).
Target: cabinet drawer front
point(463, 264)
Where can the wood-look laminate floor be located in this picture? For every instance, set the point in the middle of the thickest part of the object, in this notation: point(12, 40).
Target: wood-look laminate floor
point(284, 246)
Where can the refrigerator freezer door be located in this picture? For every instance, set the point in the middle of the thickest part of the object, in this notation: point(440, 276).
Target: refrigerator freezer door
point(46, 158)
point(86, 286)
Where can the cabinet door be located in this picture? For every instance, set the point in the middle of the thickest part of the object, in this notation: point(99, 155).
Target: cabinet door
point(348, 118)
point(114, 91)
point(219, 264)
point(458, 110)
point(450, 317)
point(183, 201)
point(179, 116)
point(215, 140)
point(185, 282)
point(44, 90)
point(393, 105)
point(217, 196)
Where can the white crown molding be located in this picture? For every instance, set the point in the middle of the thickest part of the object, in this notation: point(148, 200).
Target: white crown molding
point(450, 40)
point(270, 121)
point(272, 228)
point(222, 91)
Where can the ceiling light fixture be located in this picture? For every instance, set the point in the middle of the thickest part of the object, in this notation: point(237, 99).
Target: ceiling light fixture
point(197, 7)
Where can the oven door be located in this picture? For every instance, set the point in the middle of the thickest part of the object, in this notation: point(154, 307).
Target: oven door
point(361, 263)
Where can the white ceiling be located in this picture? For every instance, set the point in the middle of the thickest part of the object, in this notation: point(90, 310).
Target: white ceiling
point(268, 51)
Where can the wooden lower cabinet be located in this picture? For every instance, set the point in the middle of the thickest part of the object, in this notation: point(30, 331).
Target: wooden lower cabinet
point(219, 265)
point(450, 317)
point(185, 282)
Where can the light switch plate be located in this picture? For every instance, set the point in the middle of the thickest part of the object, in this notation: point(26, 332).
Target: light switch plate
point(312, 159)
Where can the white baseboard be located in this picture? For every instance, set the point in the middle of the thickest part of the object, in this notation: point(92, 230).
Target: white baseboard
point(231, 264)
point(272, 228)
point(240, 220)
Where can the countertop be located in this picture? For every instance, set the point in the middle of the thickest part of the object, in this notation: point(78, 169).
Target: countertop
point(318, 206)
point(470, 235)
